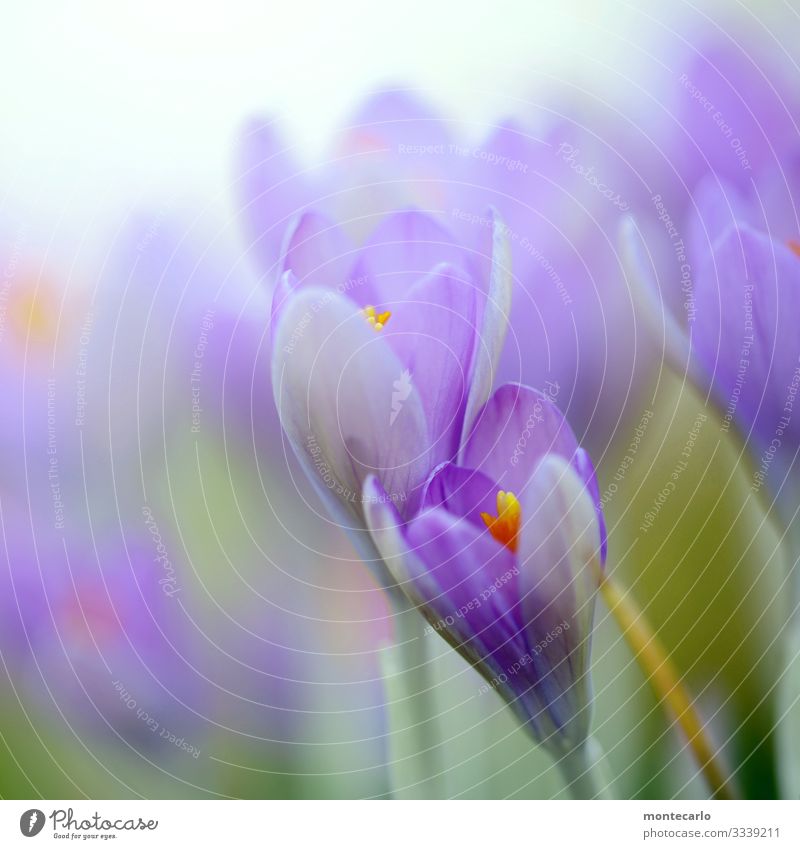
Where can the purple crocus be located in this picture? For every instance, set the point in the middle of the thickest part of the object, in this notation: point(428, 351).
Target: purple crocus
point(560, 192)
point(745, 339)
point(713, 250)
point(728, 309)
point(372, 170)
point(735, 329)
point(562, 175)
point(501, 560)
point(383, 356)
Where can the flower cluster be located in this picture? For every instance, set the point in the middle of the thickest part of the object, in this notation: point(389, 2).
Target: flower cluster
point(383, 360)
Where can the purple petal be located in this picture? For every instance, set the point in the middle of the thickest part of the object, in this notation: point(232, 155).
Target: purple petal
point(394, 155)
point(470, 589)
point(745, 335)
point(272, 190)
point(432, 332)
point(777, 187)
point(464, 564)
point(717, 206)
point(515, 429)
point(751, 114)
point(463, 492)
point(506, 170)
point(582, 463)
point(443, 563)
point(470, 592)
point(394, 118)
point(404, 248)
point(317, 252)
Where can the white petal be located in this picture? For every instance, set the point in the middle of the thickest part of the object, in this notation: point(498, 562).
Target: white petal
point(333, 378)
point(654, 319)
point(559, 546)
point(494, 323)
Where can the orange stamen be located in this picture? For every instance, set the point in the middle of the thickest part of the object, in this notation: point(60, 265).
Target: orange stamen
point(505, 526)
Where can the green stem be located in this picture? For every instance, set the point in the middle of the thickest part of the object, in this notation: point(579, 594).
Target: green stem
point(413, 765)
point(666, 682)
point(585, 772)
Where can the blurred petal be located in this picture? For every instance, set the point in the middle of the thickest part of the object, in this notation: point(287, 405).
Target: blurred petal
point(317, 252)
point(393, 118)
point(753, 104)
point(394, 154)
point(403, 248)
point(272, 190)
point(653, 317)
point(717, 206)
point(745, 335)
point(777, 187)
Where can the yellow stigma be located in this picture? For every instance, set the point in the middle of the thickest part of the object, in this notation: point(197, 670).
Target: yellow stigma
point(795, 246)
point(376, 319)
point(505, 526)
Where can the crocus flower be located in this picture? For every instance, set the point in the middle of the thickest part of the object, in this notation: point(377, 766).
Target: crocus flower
point(381, 369)
point(560, 192)
point(562, 176)
point(724, 107)
point(712, 251)
point(373, 169)
point(736, 332)
point(727, 311)
point(501, 560)
point(737, 338)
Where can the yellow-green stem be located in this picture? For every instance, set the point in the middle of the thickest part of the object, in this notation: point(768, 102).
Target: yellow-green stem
point(666, 682)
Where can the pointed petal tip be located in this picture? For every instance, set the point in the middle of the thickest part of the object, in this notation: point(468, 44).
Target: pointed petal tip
point(494, 326)
point(658, 320)
point(283, 291)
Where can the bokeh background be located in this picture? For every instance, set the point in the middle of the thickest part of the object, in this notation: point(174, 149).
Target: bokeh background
point(176, 620)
